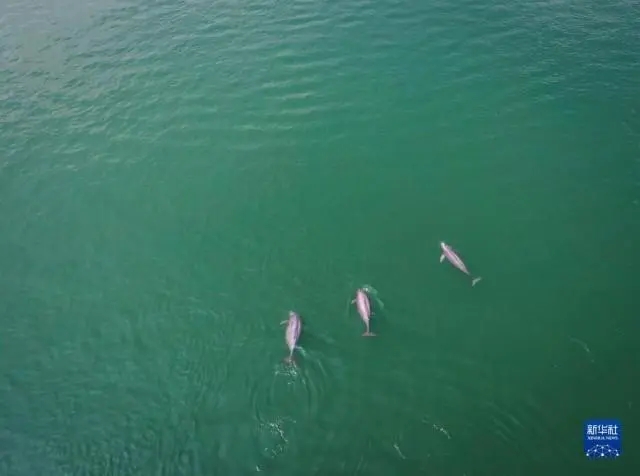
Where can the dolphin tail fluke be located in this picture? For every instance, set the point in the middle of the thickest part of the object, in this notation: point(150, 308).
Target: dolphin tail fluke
point(368, 334)
point(289, 360)
point(475, 280)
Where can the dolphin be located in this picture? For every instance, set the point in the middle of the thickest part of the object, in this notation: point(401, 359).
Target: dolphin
point(454, 259)
point(292, 334)
point(364, 309)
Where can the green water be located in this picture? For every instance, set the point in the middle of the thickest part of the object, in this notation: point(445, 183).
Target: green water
point(175, 176)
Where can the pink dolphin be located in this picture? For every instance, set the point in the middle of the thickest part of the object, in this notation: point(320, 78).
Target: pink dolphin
point(364, 309)
point(454, 259)
point(292, 334)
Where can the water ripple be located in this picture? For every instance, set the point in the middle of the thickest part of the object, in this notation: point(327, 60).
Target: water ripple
point(511, 418)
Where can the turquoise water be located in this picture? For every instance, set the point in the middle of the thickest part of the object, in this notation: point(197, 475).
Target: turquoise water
point(176, 176)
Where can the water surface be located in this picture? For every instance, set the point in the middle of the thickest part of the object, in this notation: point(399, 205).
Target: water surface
point(176, 176)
